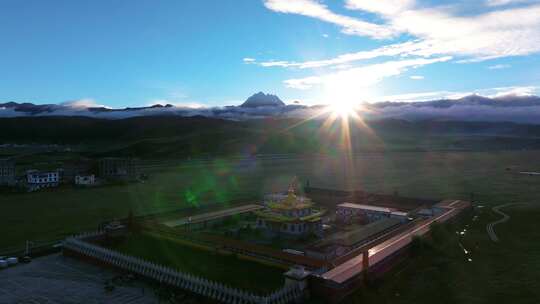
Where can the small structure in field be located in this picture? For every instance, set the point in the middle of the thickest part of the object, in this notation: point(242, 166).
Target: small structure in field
point(293, 216)
point(297, 276)
point(36, 180)
point(74, 167)
point(113, 168)
point(115, 230)
point(85, 180)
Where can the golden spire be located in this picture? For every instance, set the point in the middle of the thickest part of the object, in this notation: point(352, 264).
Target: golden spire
point(291, 196)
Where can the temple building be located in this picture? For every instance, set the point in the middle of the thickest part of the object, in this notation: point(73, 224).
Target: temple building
point(290, 215)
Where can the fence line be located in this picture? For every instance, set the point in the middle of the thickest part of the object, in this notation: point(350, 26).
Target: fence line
point(172, 277)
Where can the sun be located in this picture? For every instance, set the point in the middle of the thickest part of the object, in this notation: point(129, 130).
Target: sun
point(343, 96)
point(343, 108)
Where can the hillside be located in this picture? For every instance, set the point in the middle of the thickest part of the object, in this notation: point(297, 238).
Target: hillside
point(151, 137)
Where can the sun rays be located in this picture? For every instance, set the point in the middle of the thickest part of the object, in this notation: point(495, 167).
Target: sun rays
point(342, 128)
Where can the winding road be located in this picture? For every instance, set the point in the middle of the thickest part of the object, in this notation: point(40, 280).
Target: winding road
point(505, 218)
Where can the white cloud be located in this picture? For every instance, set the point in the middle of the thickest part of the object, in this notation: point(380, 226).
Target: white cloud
point(513, 91)
point(186, 104)
point(364, 76)
point(81, 103)
point(525, 114)
point(248, 60)
point(387, 7)
point(499, 66)
point(416, 77)
point(483, 36)
point(390, 50)
point(420, 96)
point(438, 30)
point(303, 83)
point(315, 9)
point(507, 2)
point(325, 35)
point(435, 95)
point(282, 64)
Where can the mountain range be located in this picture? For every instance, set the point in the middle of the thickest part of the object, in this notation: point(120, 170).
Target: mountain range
point(511, 108)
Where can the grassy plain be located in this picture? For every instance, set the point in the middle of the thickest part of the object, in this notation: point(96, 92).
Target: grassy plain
point(499, 272)
point(236, 272)
point(492, 176)
point(503, 272)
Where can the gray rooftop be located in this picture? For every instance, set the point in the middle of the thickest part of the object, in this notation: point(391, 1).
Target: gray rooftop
point(354, 237)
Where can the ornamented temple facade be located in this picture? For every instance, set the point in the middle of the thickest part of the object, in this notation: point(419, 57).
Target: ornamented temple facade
point(290, 215)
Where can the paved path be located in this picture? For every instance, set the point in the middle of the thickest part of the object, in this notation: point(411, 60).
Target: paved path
point(505, 218)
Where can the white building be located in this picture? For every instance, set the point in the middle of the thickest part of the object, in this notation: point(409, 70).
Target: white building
point(85, 180)
point(346, 211)
point(42, 179)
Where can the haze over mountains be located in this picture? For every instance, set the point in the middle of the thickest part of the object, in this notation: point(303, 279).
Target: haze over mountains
point(470, 123)
point(509, 108)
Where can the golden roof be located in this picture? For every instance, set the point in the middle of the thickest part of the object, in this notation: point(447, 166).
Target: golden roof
point(291, 199)
point(292, 202)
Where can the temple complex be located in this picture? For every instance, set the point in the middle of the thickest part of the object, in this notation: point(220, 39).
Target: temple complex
point(290, 215)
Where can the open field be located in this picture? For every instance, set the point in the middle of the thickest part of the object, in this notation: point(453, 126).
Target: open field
point(53, 214)
point(165, 137)
point(503, 271)
point(229, 269)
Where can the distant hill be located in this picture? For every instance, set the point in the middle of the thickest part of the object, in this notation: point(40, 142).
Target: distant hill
point(104, 109)
point(262, 100)
point(27, 108)
point(177, 137)
point(470, 100)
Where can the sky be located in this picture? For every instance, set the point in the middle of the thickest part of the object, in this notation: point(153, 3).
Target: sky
point(214, 53)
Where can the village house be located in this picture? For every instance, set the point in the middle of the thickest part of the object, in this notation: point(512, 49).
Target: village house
point(74, 168)
point(85, 180)
point(36, 180)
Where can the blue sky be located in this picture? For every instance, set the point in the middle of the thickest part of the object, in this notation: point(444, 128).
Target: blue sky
point(193, 52)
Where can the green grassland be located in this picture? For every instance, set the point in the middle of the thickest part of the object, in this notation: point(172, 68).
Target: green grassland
point(236, 272)
point(440, 272)
point(492, 176)
point(505, 271)
point(55, 213)
point(183, 137)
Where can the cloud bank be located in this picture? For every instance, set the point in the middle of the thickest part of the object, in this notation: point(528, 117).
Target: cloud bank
point(514, 104)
